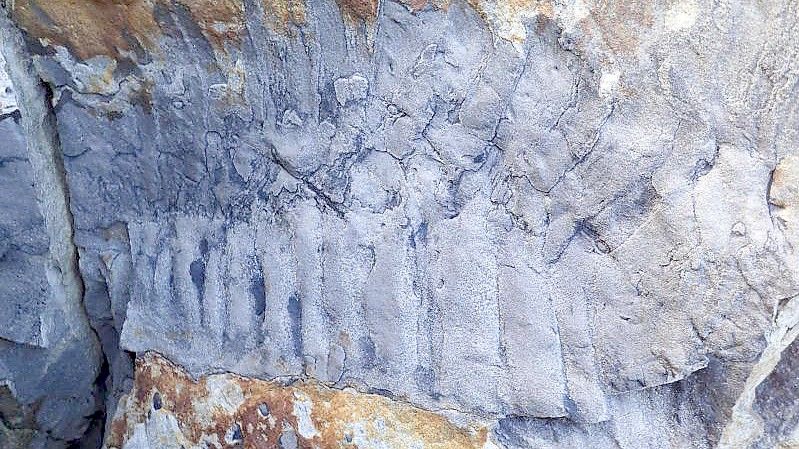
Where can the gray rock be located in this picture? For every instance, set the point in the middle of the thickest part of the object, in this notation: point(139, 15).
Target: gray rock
point(23, 243)
point(50, 365)
point(576, 221)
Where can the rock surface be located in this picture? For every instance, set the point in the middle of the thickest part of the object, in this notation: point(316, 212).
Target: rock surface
point(570, 224)
point(166, 408)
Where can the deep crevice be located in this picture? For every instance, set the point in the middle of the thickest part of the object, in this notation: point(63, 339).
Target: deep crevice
point(35, 99)
point(98, 418)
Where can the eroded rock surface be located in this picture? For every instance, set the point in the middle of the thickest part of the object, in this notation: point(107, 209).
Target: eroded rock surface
point(167, 408)
point(50, 392)
point(573, 222)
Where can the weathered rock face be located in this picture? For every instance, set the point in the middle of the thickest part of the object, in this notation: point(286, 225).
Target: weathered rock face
point(49, 359)
point(167, 408)
point(555, 224)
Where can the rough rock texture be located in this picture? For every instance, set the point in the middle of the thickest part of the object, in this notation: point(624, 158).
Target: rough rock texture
point(167, 408)
point(568, 223)
point(49, 358)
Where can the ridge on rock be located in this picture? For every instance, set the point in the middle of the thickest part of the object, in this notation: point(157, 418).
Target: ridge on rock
point(569, 223)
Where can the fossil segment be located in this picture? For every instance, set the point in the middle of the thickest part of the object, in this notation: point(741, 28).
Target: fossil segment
point(574, 222)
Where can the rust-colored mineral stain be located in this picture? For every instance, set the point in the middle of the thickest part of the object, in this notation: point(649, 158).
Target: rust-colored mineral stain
point(616, 26)
point(208, 409)
point(221, 21)
point(114, 28)
point(416, 5)
point(507, 18)
point(281, 14)
point(358, 10)
point(620, 25)
point(89, 27)
point(784, 189)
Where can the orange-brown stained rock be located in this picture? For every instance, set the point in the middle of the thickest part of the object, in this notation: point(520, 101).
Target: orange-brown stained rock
point(418, 5)
point(513, 7)
point(212, 408)
point(89, 27)
point(415, 5)
point(358, 10)
point(784, 189)
point(280, 14)
point(507, 18)
point(783, 197)
point(116, 27)
point(621, 24)
point(221, 21)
